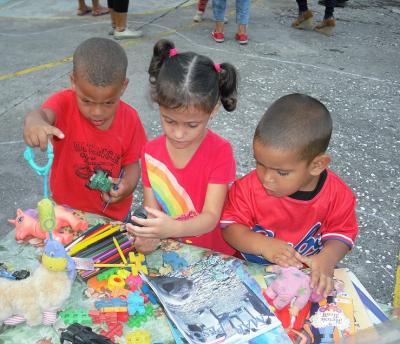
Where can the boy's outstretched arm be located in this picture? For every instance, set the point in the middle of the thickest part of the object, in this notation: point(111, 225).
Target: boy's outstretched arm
point(39, 127)
point(274, 250)
point(323, 264)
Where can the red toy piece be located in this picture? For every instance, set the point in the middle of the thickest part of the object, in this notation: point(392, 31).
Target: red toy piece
point(113, 330)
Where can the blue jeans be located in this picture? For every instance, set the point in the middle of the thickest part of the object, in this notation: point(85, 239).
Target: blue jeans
point(242, 11)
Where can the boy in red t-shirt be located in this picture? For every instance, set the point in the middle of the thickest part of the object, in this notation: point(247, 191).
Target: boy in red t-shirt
point(92, 129)
point(292, 210)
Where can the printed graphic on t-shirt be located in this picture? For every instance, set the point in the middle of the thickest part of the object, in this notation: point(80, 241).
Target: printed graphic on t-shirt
point(171, 196)
point(309, 245)
point(94, 157)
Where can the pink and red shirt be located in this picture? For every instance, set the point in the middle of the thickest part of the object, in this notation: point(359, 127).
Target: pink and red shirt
point(181, 192)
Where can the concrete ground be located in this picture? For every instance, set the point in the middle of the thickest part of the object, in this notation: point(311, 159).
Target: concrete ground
point(355, 73)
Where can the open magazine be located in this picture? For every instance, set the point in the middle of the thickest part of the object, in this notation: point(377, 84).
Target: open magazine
point(210, 302)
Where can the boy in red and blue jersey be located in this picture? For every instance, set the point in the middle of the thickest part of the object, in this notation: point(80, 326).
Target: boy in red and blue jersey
point(303, 211)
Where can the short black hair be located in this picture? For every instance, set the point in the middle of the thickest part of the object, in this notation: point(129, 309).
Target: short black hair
point(101, 61)
point(296, 122)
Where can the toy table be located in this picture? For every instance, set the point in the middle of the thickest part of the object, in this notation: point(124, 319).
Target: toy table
point(23, 256)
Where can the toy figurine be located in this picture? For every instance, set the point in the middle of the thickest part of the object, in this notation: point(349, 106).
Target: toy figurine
point(27, 225)
point(291, 287)
point(100, 181)
point(37, 298)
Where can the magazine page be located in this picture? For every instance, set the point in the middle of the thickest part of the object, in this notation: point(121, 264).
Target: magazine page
point(209, 303)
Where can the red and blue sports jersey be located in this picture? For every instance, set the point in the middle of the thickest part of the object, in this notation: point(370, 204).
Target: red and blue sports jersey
point(329, 215)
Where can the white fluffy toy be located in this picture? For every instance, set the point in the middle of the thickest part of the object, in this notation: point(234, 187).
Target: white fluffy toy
point(37, 298)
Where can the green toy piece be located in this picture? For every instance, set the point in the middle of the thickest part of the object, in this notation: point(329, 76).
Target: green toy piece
point(79, 316)
point(47, 217)
point(99, 181)
point(106, 274)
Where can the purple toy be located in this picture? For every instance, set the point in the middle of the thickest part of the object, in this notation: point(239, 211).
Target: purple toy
point(291, 286)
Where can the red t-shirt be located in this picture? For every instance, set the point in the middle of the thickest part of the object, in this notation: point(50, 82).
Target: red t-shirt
point(86, 148)
point(181, 192)
point(329, 215)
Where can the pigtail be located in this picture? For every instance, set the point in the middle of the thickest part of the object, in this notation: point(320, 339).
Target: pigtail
point(228, 86)
point(160, 53)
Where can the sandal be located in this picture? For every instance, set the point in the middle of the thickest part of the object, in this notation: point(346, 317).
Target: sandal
point(100, 12)
point(80, 12)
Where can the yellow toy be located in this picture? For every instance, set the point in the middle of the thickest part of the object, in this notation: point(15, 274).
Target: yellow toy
point(138, 337)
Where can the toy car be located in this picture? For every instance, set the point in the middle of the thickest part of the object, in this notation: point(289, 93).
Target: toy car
point(141, 213)
point(79, 334)
point(21, 274)
point(99, 181)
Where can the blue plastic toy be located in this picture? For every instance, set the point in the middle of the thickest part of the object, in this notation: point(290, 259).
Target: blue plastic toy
point(135, 303)
point(114, 302)
point(175, 260)
point(29, 156)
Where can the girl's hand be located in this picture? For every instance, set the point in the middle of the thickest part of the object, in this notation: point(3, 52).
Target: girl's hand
point(145, 245)
point(158, 225)
point(281, 253)
point(321, 273)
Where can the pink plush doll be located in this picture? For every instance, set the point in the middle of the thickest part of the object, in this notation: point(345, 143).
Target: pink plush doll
point(27, 225)
point(291, 287)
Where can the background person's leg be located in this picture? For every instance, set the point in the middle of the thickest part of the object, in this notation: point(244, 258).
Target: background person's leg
point(121, 31)
point(242, 19)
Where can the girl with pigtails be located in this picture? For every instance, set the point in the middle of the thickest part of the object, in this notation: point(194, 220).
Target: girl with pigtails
point(187, 170)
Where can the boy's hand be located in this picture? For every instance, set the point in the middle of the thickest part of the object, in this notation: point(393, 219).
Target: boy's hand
point(118, 191)
point(37, 132)
point(159, 225)
point(281, 253)
point(145, 245)
point(321, 273)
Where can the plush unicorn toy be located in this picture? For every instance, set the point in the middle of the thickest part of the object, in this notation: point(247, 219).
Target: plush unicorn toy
point(27, 225)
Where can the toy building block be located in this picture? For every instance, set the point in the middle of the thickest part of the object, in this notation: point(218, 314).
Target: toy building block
point(114, 302)
point(173, 259)
point(123, 316)
point(149, 311)
point(138, 337)
point(136, 261)
point(96, 284)
point(166, 269)
point(113, 330)
point(106, 274)
point(115, 282)
point(150, 295)
point(135, 303)
point(123, 273)
point(136, 321)
point(134, 282)
point(120, 292)
point(145, 298)
point(79, 316)
point(99, 317)
point(114, 309)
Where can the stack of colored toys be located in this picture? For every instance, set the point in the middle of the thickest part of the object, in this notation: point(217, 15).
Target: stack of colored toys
point(124, 300)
